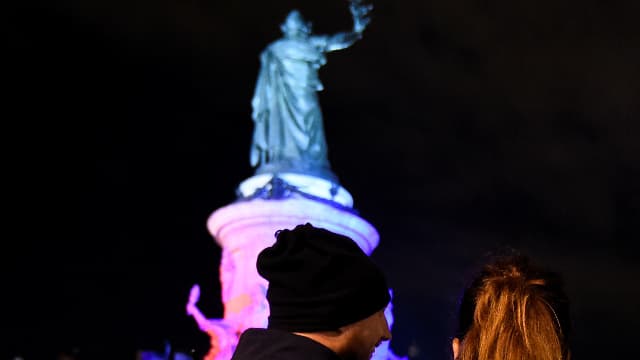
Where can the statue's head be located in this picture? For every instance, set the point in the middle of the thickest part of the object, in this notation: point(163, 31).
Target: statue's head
point(295, 25)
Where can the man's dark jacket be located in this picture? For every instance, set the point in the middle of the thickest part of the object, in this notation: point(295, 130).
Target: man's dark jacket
point(268, 344)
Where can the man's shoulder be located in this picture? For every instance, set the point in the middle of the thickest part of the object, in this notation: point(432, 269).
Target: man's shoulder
point(269, 344)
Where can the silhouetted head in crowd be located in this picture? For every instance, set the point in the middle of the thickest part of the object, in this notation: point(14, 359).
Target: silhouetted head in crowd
point(513, 310)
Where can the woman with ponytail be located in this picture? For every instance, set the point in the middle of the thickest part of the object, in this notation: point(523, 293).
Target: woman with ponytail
point(511, 311)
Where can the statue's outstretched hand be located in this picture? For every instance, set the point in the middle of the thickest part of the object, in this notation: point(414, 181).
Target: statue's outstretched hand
point(194, 295)
point(360, 13)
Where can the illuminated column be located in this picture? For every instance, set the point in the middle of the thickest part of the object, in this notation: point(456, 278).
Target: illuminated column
point(245, 227)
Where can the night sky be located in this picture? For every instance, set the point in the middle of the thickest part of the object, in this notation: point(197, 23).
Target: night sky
point(460, 127)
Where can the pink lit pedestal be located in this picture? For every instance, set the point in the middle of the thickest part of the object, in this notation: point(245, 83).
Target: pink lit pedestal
point(245, 228)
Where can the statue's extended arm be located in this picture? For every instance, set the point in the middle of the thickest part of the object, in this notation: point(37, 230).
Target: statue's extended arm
point(192, 308)
point(216, 325)
point(360, 14)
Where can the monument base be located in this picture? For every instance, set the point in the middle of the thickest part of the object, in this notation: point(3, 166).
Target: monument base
point(243, 229)
point(281, 185)
point(269, 203)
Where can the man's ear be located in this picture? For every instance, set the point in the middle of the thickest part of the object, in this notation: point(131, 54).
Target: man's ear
point(455, 345)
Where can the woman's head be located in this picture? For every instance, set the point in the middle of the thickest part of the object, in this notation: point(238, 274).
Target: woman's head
point(513, 310)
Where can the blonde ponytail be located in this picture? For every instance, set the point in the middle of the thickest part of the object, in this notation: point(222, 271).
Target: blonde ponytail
point(510, 314)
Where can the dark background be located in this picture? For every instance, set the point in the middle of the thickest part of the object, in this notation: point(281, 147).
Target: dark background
point(460, 127)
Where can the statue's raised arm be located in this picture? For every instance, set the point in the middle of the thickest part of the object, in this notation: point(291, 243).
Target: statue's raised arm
point(289, 134)
point(339, 41)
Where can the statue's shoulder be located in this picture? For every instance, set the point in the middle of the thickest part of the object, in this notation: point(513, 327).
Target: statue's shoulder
point(295, 49)
point(276, 47)
point(283, 44)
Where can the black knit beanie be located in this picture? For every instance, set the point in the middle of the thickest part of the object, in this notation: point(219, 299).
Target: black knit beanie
point(319, 281)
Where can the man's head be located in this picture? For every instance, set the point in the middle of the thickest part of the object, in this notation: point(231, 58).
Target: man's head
point(323, 286)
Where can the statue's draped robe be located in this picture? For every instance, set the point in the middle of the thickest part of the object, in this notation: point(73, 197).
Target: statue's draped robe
point(289, 133)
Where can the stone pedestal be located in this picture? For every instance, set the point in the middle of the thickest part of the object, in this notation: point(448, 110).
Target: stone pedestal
point(247, 226)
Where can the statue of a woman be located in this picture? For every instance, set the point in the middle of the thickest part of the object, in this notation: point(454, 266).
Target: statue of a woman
point(289, 134)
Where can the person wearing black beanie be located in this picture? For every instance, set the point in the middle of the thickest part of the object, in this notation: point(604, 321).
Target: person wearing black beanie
point(326, 300)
